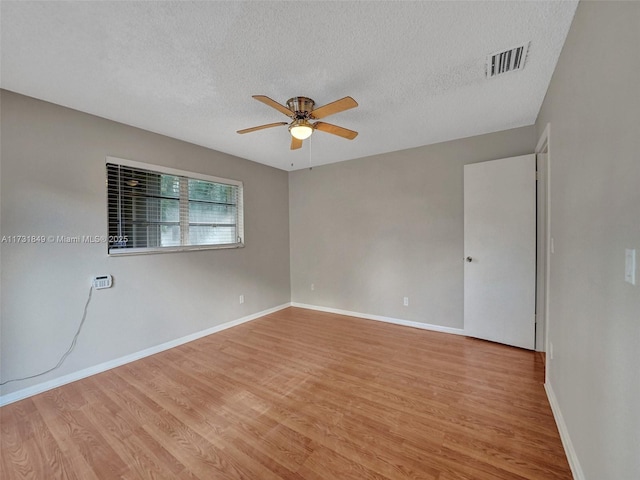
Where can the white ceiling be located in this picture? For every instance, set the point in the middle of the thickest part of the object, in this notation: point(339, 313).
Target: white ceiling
point(188, 69)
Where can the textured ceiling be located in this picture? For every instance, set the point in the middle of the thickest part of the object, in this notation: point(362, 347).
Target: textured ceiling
point(188, 69)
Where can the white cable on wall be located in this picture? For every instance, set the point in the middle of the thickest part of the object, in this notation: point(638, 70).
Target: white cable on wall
point(66, 354)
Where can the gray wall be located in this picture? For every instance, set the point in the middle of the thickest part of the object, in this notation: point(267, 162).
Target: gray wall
point(371, 231)
point(53, 183)
point(593, 105)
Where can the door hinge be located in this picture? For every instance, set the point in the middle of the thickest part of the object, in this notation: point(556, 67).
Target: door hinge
point(537, 175)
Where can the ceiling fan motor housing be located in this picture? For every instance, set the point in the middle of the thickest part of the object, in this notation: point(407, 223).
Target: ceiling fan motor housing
point(301, 107)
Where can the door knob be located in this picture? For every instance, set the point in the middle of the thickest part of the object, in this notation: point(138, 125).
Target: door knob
point(469, 259)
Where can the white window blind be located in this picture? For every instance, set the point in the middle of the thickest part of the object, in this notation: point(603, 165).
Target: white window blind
point(155, 209)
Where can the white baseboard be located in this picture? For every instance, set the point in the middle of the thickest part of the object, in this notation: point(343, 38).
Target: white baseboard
point(574, 464)
point(379, 318)
point(87, 372)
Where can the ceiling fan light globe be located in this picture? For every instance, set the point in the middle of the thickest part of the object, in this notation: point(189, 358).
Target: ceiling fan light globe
point(301, 130)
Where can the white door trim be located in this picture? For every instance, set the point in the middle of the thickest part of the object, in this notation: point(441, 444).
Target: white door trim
point(543, 147)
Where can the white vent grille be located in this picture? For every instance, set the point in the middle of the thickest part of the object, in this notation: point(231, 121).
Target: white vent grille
point(506, 60)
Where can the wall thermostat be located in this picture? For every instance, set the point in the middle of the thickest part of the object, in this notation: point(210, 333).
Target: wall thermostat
point(103, 281)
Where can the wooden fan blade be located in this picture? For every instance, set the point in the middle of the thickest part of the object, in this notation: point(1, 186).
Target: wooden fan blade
point(295, 143)
point(335, 130)
point(274, 104)
point(269, 125)
point(334, 107)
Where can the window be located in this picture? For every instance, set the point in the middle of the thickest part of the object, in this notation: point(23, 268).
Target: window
point(154, 209)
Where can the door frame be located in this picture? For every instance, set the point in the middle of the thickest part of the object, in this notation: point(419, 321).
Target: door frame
point(543, 239)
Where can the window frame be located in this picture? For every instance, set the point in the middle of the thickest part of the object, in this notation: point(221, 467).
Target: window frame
point(190, 176)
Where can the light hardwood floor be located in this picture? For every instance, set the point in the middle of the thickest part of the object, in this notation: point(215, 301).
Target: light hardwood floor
point(297, 395)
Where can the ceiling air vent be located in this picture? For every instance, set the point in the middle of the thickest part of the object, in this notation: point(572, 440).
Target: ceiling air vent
point(506, 60)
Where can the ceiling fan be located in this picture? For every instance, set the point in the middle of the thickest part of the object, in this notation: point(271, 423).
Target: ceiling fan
point(301, 111)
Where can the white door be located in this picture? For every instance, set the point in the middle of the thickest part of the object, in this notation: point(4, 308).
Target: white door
point(500, 250)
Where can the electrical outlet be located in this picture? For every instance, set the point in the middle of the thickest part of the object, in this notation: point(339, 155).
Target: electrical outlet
point(313, 287)
point(241, 299)
point(550, 350)
point(405, 301)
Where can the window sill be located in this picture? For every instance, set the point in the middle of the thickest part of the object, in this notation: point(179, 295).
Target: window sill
point(185, 248)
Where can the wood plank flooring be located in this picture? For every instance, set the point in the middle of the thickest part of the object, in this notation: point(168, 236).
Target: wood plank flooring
point(297, 395)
